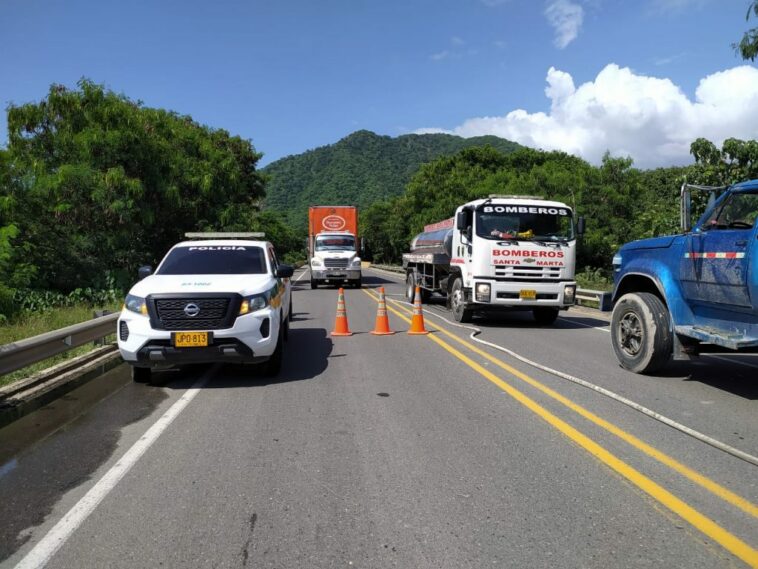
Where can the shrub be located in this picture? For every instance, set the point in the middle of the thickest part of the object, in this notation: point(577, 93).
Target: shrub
point(7, 305)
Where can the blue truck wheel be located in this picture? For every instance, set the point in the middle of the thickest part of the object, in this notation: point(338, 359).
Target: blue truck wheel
point(641, 332)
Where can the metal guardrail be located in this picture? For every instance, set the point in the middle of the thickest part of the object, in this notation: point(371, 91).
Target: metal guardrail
point(602, 297)
point(25, 352)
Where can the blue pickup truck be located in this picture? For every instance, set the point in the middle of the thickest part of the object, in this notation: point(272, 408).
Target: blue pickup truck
point(682, 294)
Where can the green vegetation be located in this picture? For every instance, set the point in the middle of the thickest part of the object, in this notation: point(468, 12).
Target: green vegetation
point(620, 203)
point(748, 45)
point(93, 185)
point(594, 279)
point(360, 169)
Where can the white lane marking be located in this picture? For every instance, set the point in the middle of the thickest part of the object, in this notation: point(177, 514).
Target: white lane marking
point(59, 534)
point(300, 276)
point(599, 328)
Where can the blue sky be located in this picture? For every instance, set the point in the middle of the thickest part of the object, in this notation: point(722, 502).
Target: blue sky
point(295, 74)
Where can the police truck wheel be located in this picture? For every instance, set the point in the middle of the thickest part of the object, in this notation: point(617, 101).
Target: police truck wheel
point(272, 367)
point(286, 325)
point(545, 316)
point(458, 303)
point(410, 288)
point(141, 374)
point(314, 283)
point(640, 332)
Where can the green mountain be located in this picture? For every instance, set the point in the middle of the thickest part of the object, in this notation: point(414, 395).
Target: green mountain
point(360, 169)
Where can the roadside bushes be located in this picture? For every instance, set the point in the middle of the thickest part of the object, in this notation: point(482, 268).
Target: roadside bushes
point(7, 305)
point(30, 300)
point(16, 302)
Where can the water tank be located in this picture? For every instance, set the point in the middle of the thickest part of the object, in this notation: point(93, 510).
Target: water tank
point(439, 241)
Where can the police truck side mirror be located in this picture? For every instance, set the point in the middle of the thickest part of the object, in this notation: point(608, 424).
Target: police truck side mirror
point(580, 226)
point(144, 271)
point(284, 271)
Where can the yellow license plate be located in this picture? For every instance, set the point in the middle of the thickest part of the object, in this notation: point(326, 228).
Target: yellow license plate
point(527, 294)
point(190, 339)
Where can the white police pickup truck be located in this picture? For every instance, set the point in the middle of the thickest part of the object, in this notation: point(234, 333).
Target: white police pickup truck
point(219, 299)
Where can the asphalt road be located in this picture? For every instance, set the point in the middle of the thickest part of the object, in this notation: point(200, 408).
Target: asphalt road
point(392, 451)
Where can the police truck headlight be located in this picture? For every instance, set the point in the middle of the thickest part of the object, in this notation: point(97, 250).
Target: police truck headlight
point(316, 262)
point(356, 263)
point(135, 304)
point(569, 294)
point(254, 302)
point(483, 291)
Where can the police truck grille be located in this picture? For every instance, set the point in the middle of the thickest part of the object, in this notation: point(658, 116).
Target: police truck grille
point(173, 314)
point(335, 263)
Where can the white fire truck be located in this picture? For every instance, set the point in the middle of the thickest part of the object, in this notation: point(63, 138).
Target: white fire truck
point(499, 253)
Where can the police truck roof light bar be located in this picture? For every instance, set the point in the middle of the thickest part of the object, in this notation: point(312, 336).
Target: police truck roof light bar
point(225, 235)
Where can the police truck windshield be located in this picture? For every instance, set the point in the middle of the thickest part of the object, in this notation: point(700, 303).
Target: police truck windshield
point(518, 222)
point(335, 243)
point(214, 260)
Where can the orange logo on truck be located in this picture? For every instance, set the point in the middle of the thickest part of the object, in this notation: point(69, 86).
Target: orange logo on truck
point(333, 223)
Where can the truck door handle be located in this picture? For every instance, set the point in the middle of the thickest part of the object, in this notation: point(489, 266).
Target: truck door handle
point(741, 243)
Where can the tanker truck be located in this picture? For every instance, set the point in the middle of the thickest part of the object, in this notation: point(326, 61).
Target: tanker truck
point(333, 245)
point(499, 253)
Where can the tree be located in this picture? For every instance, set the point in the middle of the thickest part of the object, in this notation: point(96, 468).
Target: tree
point(748, 46)
point(101, 184)
point(735, 162)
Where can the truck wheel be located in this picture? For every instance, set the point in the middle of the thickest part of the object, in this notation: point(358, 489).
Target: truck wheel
point(141, 374)
point(314, 283)
point(273, 366)
point(545, 316)
point(356, 283)
point(640, 332)
point(410, 288)
point(458, 303)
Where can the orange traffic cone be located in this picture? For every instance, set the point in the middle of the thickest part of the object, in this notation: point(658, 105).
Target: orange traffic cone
point(382, 327)
point(340, 323)
point(417, 322)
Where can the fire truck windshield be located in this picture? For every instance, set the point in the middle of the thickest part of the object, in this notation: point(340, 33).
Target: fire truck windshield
point(534, 223)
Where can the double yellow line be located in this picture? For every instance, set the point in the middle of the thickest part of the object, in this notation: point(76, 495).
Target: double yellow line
point(704, 524)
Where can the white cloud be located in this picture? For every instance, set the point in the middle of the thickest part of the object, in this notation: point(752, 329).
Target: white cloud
point(670, 59)
point(566, 18)
point(455, 40)
point(440, 55)
point(648, 118)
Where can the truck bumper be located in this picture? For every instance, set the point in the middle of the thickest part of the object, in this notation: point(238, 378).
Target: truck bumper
point(336, 275)
point(518, 295)
point(252, 339)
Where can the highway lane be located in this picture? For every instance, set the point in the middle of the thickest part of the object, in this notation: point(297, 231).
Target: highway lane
point(384, 451)
point(715, 394)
